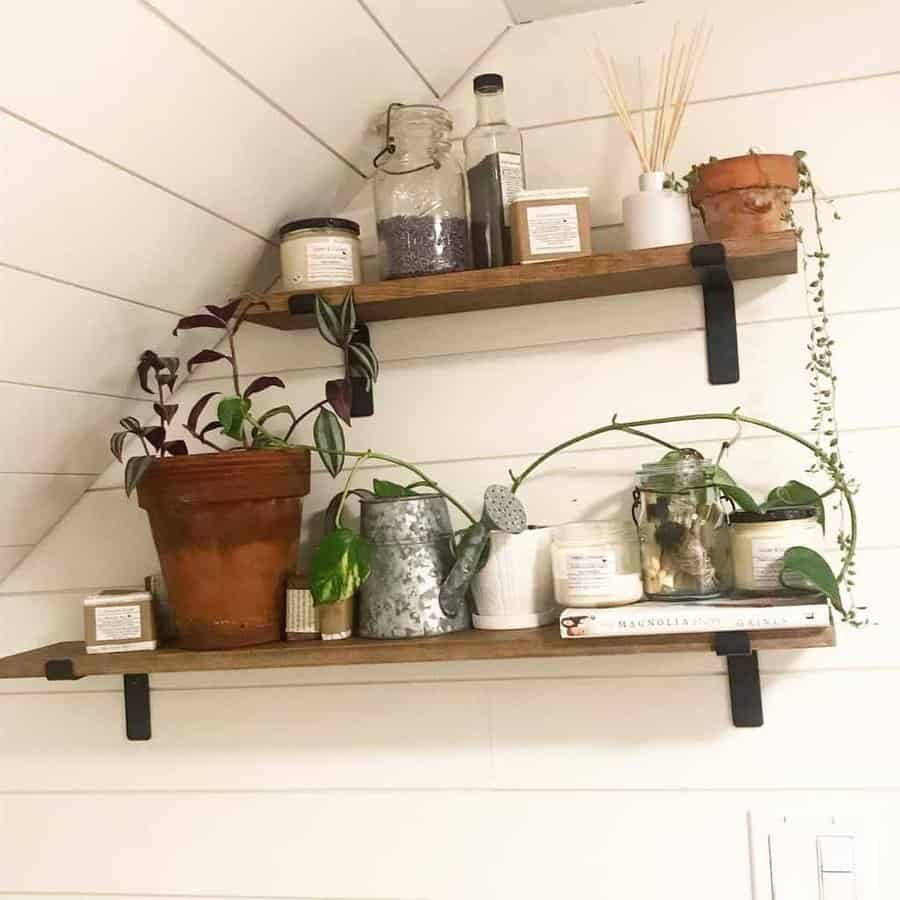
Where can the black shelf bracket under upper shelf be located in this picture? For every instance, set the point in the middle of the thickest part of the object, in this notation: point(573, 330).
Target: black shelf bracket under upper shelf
point(711, 262)
point(362, 403)
point(743, 678)
point(136, 692)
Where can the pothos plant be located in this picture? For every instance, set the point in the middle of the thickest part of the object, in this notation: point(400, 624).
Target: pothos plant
point(341, 562)
point(236, 417)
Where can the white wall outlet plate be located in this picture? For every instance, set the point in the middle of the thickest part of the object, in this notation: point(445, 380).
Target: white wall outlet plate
point(809, 856)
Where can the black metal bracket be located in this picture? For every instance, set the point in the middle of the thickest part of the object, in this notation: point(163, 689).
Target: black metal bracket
point(718, 306)
point(136, 691)
point(362, 404)
point(743, 678)
point(137, 707)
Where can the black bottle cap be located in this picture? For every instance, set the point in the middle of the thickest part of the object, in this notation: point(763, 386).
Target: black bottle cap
point(488, 84)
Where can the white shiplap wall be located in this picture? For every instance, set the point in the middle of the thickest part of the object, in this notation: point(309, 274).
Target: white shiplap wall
point(522, 779)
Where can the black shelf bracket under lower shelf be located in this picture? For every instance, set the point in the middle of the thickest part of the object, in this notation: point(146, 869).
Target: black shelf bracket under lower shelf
point(743, 678)
point(718, 306)
point(135, 690)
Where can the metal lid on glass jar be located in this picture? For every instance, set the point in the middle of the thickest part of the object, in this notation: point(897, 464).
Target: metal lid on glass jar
point(677, 470)
point(317, 223)
point(781, 514)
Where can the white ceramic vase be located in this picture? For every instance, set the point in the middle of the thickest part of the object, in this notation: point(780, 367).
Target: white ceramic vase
point(656, 217)
point(515, 588)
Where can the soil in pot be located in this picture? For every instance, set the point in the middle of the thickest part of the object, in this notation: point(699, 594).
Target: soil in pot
point(745, 195)
point(227, 527)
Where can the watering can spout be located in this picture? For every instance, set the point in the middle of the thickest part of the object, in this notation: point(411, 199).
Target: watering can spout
point(503, 511)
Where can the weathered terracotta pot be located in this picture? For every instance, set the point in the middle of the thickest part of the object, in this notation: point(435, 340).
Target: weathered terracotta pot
point(226, 527)
point(745, 195)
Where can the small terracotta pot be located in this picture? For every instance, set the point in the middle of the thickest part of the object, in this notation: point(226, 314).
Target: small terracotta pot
point(226, 527)
point(745, 195)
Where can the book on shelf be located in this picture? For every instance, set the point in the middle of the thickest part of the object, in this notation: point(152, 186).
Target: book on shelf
point(692, 617)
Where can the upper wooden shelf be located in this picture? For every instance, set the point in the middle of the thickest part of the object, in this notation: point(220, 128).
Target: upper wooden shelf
point(466, 645)
point(570, 279)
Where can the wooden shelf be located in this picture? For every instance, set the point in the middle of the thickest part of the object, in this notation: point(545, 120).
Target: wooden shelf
point(467, 645)
point(570, 279)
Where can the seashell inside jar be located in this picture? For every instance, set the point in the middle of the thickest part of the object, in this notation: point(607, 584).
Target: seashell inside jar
point(682, 529)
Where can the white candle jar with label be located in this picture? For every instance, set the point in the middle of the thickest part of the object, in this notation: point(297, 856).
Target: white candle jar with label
point(596, 564)
point(759, 542)
point(318, 253)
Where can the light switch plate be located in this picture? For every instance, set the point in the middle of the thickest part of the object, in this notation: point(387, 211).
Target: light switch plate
point(808, 856)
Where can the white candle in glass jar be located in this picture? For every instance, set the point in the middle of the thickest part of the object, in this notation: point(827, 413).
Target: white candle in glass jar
point(759, 542)
point(318, 253)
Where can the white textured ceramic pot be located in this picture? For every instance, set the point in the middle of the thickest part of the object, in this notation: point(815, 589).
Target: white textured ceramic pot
point(656, 217)
point(515, 588)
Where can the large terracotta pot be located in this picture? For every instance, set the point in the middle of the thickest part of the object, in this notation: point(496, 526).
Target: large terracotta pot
point(745, 195)
point(226, 527)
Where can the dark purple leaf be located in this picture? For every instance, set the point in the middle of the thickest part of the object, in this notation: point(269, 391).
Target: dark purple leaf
point(339, 394)
point(227, 311)
point(135, 469)
point(166, 411)
point(156, 435)
point(176, 448)
point(201, 321)
point(211, 426)
point(149, 360)
point(205, 356)
point(242, 316)
point(130, 423)
point(116, 444)
point(197, 410)
point(261, 383)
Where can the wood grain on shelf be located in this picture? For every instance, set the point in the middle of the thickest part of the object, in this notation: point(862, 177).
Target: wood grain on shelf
point(570, 279)
point(465, 645)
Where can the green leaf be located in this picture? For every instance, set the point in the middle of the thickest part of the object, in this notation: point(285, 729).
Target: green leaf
point(390, 489)
point(117, 443)
point(135, 469)
point(363, 357)
point(329, 436)
point(278, 411)
point(327, 322)
point(730, 488)
point(231, 413)
point(347, 316)
point(793, 494)
point(805, 566)
point(339, 566)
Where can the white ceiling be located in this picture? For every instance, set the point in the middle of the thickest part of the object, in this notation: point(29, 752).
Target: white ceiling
point(530, 10)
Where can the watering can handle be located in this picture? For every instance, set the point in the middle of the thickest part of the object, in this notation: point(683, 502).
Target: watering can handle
point(468, 555)
point(331, 510)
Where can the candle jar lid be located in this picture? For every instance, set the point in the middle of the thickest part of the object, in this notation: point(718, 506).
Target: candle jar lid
point(317, 223)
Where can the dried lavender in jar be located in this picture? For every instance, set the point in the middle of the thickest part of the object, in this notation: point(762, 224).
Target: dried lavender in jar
point(423, 245)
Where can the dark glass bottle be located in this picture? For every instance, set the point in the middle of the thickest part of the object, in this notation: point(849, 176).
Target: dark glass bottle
point(495, 174)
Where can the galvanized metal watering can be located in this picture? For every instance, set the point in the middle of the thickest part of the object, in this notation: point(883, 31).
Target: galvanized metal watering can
point(419, 582)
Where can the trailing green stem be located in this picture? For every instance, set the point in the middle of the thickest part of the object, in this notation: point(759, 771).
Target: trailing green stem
point(629, 427)
point(356, 465)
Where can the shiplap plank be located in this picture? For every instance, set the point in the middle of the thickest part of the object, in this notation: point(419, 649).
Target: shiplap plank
point(31, 504)
point(10, 557)
point(530, 844)
point(66, 432)
point(443, 37)
point(50, 333)
point(332, 92)
point(527, 399)
point(139, 93)
point(550, 73)
point(598, 154)
point(78, 219)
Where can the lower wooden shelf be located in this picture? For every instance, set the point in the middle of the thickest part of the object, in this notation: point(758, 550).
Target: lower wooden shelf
point(467, 645)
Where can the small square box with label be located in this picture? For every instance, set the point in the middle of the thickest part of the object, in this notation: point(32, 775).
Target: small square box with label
point(118, 621)
point(551, 224)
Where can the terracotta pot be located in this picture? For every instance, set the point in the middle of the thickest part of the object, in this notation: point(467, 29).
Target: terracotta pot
point(745, 195)
point(226, 527)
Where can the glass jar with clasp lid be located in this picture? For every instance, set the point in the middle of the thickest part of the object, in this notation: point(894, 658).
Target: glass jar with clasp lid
point(420, 195)
point(682, 528)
